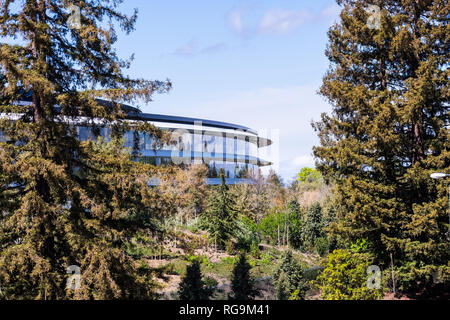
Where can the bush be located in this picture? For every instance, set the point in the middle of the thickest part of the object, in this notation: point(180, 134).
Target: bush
point(276, 222)
point(267, 257)
point(322, 246)
point(188, 246)
point(270, 225)
point(246, 234)
point(254, 251)
point(345, 277)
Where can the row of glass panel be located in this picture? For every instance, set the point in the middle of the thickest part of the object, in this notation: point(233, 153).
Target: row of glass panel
point(238, 169)
point(228, 144)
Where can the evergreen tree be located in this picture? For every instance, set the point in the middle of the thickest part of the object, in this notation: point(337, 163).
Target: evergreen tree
point(242, 285)
point(389, 130)
point(63, 201)
point(295, 224)
point(313, 225)
point(220, 218)
point(328, 220)
point(192, 286)
point(289, 279)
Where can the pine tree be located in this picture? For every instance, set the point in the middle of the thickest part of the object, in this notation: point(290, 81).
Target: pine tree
point(66, 202)
point(289, 278)
point(242, 285)
point(295, 224)
point(192, 286)
point(220, 218)
point(313, 228)
point(388, 131)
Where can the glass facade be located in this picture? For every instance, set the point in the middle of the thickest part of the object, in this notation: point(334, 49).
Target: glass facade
point(225, 148)
point(234, 155)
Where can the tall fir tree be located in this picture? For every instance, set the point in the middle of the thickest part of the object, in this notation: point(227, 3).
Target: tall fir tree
point(220, 217)
point(63, 201)
point(389, 129)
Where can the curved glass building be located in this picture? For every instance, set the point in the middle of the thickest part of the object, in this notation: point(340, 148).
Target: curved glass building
point(226, 148)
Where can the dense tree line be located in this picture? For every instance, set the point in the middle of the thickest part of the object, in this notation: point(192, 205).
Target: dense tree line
point(389, 129)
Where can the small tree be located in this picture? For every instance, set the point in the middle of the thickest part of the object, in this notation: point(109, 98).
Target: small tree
point(314, 225)
point(220, 217)
point(192, 286)
point(295, 224)
point(242, 285)
point(289, 279)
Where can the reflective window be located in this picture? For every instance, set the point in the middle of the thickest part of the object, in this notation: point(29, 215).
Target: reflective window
point(218, 144)
point(148, 142)
point(198, 142)
point(209, 143)
point(129, 139)
point(253, 150)
point(240, 146)
point(230, 150)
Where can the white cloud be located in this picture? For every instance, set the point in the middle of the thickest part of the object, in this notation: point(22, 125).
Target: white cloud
point(282, 21)
point(277, 21)
point(332, 11)
point(214, 48)
point(190, 48)
point(235, 20)
point(288, 169)
point(303, 161)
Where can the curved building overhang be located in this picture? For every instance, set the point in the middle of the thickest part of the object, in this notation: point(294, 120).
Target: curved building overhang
point(172, 121)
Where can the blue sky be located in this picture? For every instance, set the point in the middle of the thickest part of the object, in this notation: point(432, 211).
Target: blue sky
point(255, 63)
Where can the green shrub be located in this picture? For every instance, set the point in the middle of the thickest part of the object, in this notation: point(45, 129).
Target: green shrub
point(230, 260)
point(246, 235)
point(276, 222)
point(345, 277)
point(188, 246)
point(322, 246)
point(254, 251)
point(270, 225)
point(210, 283)
point(267, 257)
point(360, 246)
